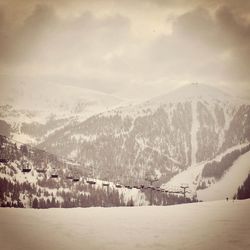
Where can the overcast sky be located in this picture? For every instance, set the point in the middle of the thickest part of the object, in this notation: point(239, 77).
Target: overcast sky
point(131, 48)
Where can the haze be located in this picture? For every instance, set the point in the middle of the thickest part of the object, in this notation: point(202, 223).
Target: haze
point(131, 49)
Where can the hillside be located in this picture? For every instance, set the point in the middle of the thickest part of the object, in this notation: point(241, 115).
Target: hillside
point(30, 177)
point(216, 186)
point(30, 113)
point(198, 226)
point(164, 136)
point(192, 135)
point(230, 182)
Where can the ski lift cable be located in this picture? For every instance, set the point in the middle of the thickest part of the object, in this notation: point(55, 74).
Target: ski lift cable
point(63, 160)
point(30, 147)
point(47, 154)
point(75, 163)
point(72, 162)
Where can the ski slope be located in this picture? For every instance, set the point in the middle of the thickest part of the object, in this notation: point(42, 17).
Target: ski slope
point(227, 186)
point(230, 182)
point(197, 226)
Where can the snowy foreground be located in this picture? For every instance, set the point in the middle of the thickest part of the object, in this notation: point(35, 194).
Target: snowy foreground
point(208, 225)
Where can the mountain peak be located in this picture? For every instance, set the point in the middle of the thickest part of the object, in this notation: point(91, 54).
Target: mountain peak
point(198, 89)
point(194, 91)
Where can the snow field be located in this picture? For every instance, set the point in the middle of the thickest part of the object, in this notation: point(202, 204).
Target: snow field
point(207, 225)
point(230, 182)
point(227, 186)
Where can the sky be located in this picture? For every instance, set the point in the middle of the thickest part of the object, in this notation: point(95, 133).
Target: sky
point(132, 49)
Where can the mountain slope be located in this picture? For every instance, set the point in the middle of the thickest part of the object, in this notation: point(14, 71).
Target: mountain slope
point(230, 182)
point(199, 183)
point(30, 177)
point(29, 113)
point(164, 136)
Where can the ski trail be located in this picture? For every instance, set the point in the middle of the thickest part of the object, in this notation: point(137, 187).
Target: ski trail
point(230, 182)
point(194, 130)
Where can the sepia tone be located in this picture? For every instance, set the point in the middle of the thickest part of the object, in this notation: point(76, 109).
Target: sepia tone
point(124, 124)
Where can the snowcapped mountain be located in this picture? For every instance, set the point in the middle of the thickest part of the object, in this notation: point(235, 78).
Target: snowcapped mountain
point(218, 178)
point(30, 177)
point(191, 135)
point(164, 136)
point(29, 113)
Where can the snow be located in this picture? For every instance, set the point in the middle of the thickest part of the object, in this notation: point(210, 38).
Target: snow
point(18, 175)
point(192, 175)
point(31, 104)
point(187, 93)
point(30, 96)
point(228, 185)
point(82, 137)
point(24, 138)
point(73, 154)
point(136, 195)
point(143, 145)
point(197, 226)
point(194, 130)
point(199, 91)
point(187, 176)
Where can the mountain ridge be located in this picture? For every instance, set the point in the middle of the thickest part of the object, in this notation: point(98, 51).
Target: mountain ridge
point(154, 137)
point(166, 138)
point(34, 112)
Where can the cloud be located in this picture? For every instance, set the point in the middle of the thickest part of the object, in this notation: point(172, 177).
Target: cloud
point(44, 36)
point(236, 38)
point(206, 46)
point(19, 43)
point(46, 45)
point(112, 47)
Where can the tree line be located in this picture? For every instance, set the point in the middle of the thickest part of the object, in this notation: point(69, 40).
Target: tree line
point(217, 169)
point(244, 190)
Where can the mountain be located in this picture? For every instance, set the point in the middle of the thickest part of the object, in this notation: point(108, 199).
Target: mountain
point(218, 178)
point(30, 177)
point(30, 112)
point(192, 135)
point(163, 136)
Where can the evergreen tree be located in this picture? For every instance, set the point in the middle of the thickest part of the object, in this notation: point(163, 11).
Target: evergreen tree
point(35, 203)
point(244, 190)
point(130, 203)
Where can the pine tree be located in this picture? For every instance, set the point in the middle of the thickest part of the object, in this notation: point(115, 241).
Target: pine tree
point(130, 203)
point(244, 190)
point(35, 203)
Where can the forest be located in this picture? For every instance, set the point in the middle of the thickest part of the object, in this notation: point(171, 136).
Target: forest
point(37, 188)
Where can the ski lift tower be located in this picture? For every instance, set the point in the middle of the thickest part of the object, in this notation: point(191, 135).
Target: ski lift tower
point(151, 180)
point(184, 186)
point(90, 180)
